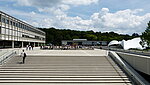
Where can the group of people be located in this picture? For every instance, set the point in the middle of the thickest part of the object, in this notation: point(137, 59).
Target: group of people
point(29, 47)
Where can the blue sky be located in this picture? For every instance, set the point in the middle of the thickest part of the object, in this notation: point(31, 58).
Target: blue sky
point(121, 16)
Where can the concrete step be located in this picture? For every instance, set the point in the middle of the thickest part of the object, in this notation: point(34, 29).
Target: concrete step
point(68, 73)
point(61, 67)
point(64, 81)
point(58, 63)
point(78, 76)
point(58, 69)
point(75, 68)
point(52, 65)
point(107, 79)
point(12, 65)
point(123, 83)
point(62, 70)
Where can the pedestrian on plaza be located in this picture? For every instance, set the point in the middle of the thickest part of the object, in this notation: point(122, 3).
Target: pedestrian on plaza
point(27, 46)
point(23, 55)
point(32, 47)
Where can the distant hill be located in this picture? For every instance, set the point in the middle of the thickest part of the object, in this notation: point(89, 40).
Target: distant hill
point(55, 36)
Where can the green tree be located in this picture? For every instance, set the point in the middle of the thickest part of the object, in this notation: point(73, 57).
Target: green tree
point(75, 37)
point(91, 37)
point(146, 35)
point(135, 35)
point(55, 36)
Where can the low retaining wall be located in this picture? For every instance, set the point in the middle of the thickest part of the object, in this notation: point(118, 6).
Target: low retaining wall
point(133, 75)
point(138, 62)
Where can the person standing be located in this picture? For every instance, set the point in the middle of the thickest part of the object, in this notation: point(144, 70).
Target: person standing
point(27, 46)
point(32, 47)
point(23, 55)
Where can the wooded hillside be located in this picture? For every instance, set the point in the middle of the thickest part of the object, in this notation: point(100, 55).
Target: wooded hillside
point(55, 36)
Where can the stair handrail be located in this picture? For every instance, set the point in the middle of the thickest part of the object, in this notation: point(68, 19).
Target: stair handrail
point(8, 54)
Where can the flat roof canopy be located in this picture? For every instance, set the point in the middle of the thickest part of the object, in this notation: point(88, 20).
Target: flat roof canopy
point(79, 39)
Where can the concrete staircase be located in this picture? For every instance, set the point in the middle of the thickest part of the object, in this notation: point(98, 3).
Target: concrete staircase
point(71, 70)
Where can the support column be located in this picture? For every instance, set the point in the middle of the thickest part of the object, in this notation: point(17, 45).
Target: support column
point(22, 45)
point(13, 44)
point(34, 44)
point(38, 44)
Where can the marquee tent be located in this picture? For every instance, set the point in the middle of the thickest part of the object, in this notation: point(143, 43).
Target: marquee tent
point(134, 43)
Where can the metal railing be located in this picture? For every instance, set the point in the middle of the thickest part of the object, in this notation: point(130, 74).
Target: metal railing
point(5, 55)
point(144, 53)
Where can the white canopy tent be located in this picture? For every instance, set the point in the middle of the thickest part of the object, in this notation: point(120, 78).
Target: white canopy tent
point(134, 43)
point(114, 42)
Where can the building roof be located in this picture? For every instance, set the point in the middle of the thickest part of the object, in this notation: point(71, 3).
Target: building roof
point(79, 39)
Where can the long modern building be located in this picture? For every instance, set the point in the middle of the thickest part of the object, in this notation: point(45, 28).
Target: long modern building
point(84, 42)
point(16, 33)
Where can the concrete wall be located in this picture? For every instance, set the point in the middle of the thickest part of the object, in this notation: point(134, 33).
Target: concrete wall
point(132, 74)
point(138, 62)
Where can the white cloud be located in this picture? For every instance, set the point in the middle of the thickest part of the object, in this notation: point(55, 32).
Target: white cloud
point(38, 3)
point(75, 23)
point(104, 11)
point(124, 21)
point(64, 7)
point(22, 2)
point(53, 3)
point(79, 2)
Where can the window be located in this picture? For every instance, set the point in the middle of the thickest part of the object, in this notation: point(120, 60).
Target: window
point(11, 22)
point(25, 27)
point(16, 24)
point(0, 17)
point(0, 29)
point(3, 20)
point(26, 36)
point(7, 21)
point(21, 25)
point(7, 31)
